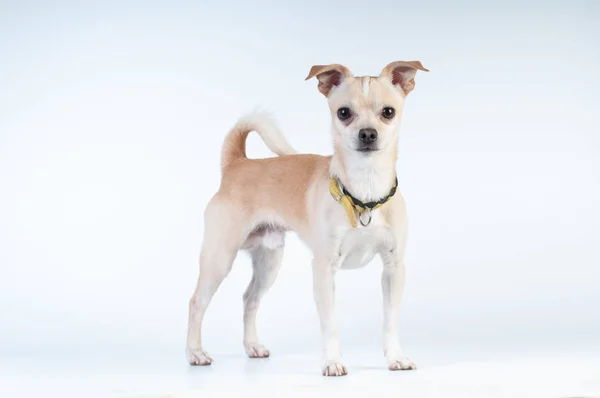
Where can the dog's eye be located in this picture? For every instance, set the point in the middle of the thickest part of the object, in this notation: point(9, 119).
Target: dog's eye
point(388, 112)
point(343, 113)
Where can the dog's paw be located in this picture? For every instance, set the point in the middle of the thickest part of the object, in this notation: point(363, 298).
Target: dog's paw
point(198, 357)
point(256, 350)
point(334, 368)
point(401, 363)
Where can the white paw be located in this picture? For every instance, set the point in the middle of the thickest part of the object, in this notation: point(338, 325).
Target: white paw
point(256, 350)
point(401, 363)
point(334, 368)
point(198, 357)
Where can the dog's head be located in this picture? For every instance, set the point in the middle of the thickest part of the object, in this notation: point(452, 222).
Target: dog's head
point(366, 110)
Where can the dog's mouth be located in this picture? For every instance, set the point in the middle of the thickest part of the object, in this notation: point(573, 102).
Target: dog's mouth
point(367, 149)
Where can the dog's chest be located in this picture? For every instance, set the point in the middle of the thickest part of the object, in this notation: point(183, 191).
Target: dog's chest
point(359, 245)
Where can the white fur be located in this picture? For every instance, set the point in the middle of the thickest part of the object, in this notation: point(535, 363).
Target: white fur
point(338, 246)
point(365, 85)
point(367, 177)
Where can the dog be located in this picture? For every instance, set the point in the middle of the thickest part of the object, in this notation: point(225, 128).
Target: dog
point(346, 208)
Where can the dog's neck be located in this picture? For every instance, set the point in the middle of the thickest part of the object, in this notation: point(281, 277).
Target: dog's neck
point(366, 176)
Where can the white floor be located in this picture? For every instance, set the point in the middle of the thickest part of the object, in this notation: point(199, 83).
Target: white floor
point(452, 372)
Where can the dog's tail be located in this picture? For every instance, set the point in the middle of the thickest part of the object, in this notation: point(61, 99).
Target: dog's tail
point(234, 146)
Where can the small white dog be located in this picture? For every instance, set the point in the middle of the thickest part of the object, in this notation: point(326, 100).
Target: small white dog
point(345, 207)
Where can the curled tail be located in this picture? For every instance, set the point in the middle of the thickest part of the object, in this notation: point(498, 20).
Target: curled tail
point(234, 146)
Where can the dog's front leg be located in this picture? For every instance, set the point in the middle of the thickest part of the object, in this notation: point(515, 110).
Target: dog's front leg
point(324, 290)
point(392, 283)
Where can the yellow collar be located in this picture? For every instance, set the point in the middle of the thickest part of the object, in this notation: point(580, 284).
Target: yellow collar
point(353, 205)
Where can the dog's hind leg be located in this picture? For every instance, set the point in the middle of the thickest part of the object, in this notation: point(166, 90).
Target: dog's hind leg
point(221, 243)
point(266, 262)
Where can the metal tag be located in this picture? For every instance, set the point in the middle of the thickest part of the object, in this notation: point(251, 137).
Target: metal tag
point(365, 217)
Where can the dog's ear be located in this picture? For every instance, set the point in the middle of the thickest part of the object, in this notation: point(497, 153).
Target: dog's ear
point(402, 74)
point(329, 76)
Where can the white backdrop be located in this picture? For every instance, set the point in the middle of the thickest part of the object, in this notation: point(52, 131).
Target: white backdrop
point(111, 121)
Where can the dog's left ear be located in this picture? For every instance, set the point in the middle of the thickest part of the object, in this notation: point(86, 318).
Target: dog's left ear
point(402, 73)
point(329, 76)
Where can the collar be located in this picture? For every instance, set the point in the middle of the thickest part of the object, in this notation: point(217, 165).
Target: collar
point(353, 205)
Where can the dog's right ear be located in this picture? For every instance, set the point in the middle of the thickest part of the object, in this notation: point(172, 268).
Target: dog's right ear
point(329, 76)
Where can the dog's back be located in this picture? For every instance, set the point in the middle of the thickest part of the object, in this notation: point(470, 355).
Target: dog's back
point(251, 183)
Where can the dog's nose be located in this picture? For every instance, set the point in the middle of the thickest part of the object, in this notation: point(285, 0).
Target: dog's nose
point(367, 136)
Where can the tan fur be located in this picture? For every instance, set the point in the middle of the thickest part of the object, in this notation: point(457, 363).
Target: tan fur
point(260, 199)
point(275, 185)
point(234, 146)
